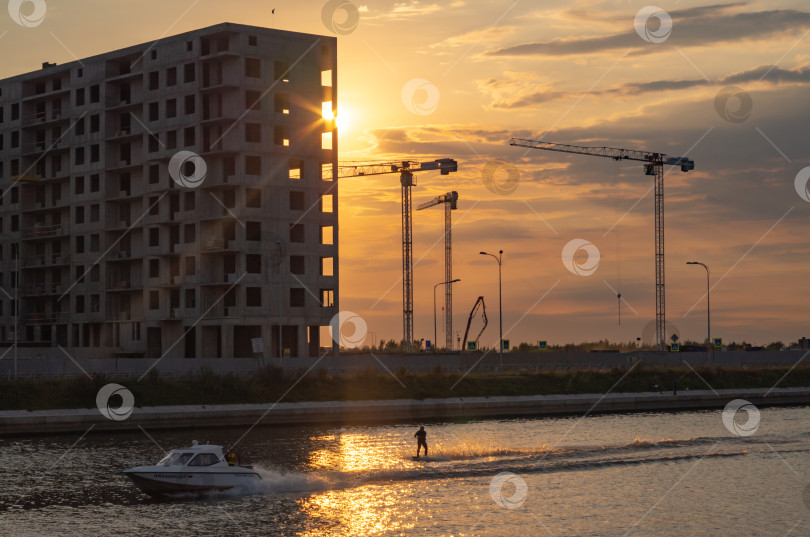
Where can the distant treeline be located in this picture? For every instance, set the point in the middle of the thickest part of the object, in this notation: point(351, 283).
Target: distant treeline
point(390, 345)
point(273, 384)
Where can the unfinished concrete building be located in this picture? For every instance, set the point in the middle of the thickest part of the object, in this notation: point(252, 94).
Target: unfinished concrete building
point(107, 254)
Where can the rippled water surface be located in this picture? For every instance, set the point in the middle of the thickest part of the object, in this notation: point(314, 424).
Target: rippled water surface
point(668, 474)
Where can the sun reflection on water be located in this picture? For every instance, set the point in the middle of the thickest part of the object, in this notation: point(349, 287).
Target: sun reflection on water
point(369, 510)
point(356, 452)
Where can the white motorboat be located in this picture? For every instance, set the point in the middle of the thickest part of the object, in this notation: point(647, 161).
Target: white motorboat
point(197, 469)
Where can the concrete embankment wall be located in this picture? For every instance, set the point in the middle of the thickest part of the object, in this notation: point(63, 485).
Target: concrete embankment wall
point(43, 367)
point(21, 422)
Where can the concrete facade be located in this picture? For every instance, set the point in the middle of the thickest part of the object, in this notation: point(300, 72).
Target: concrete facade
point(118, 258)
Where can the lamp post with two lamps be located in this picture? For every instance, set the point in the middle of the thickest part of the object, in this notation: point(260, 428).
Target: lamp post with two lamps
point(499, 258)
point(710, 348)
point(435, 341)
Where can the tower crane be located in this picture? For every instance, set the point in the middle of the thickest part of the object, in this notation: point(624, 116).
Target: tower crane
point(450, 201)
point(406, 170)
point(653, 165)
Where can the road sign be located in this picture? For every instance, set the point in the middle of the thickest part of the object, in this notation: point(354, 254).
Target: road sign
point(472, 345)
point(427, 344)
point(674, 338)
point(505, 344)
point(675, 347)
point(718, 342)
point(542, 344)
point(258, 345)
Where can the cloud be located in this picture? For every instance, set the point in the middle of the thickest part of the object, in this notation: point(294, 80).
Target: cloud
point(516, 90)
point(492, 34)
point(406, 11)
point(770, 73)
point(691, 27)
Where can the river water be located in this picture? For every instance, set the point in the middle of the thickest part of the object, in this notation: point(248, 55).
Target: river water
point(662, 474)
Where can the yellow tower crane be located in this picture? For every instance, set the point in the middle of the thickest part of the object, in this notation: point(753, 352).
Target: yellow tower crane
point(406, 170)
point(450, 201)
point(653, 165)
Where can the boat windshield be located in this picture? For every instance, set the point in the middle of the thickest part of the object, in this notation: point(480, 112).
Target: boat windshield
point(175, 458)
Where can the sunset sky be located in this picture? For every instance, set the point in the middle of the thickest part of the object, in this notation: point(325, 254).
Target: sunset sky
point(727, 87)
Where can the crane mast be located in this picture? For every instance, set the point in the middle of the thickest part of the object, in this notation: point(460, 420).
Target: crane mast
point(450, 201)
point(654, 166)
point(406, 170)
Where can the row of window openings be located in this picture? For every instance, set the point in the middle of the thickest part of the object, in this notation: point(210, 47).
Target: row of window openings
point(56, 133)
point(252, 233)
point(253, 265)
point(252, 98)
point(252, 229)
point(252, 200)
point(252, 130)
point(124, 67)
point(252, 69)
point(253, 101)
point(253, 298)
point(253, 166)
point(208, 45)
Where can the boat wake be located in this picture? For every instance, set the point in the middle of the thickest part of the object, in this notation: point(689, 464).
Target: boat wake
point(473, 461)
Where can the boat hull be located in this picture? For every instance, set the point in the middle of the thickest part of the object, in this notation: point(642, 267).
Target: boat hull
point(162, 483)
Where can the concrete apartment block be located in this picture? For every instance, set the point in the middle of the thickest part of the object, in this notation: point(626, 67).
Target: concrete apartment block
point(115, 257)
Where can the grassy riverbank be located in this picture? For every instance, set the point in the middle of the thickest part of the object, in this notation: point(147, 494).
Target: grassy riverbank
point(271, 384)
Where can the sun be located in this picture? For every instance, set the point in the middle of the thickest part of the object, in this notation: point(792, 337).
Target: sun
point(342, 118)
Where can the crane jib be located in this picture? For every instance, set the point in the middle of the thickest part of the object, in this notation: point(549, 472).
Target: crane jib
point(609, 152)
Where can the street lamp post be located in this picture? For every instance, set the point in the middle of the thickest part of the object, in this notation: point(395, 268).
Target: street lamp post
point(434, 308)
point(499, 258)
point(710, 348)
